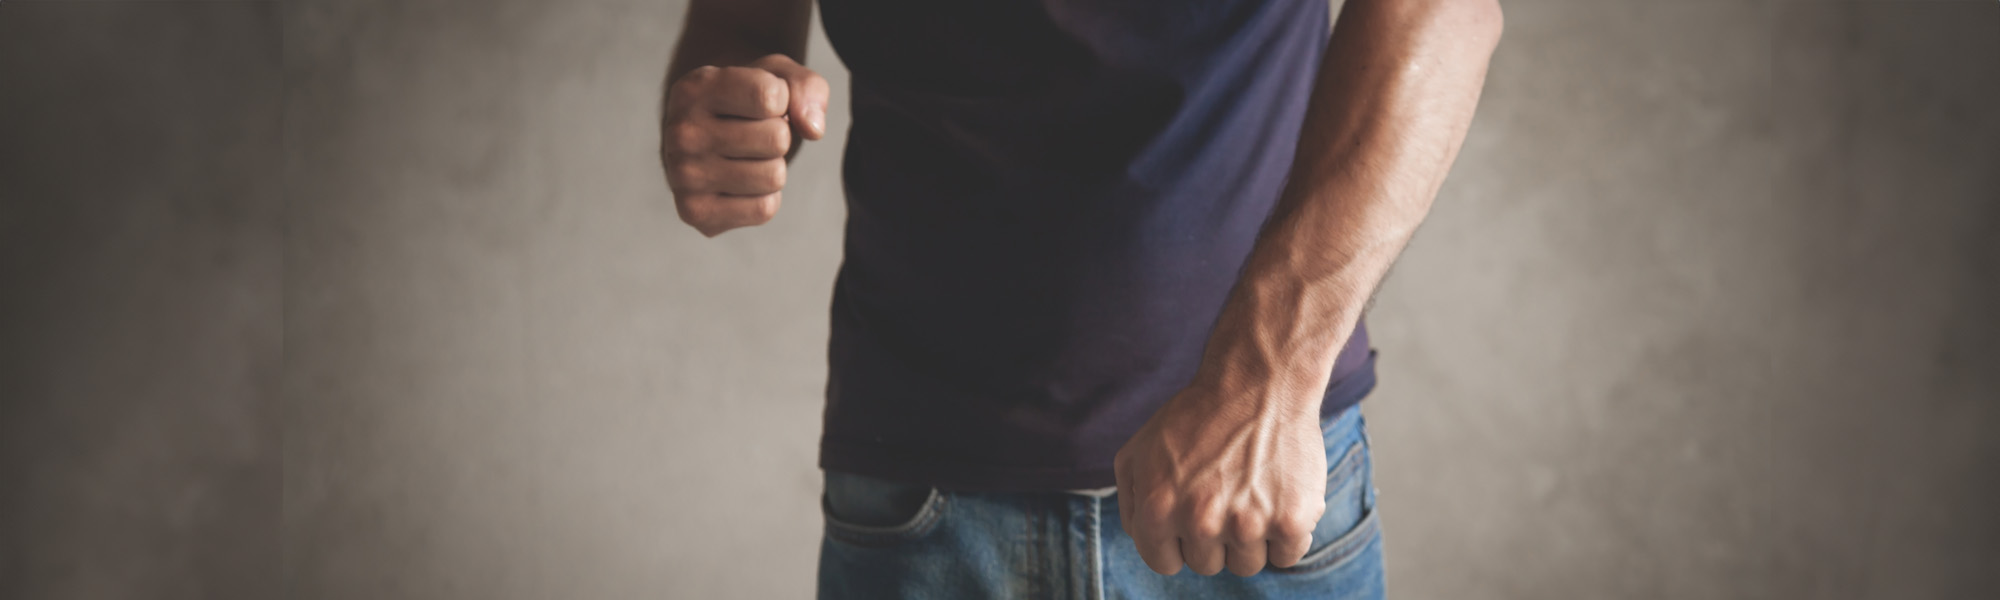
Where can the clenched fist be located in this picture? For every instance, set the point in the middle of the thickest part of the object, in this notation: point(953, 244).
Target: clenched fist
point(727, 133)
point(1219, 484)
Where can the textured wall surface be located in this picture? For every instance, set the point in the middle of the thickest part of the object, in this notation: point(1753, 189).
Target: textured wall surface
point(387, 299)
point(1707, 311)
point(513, 373)
point(140, 265)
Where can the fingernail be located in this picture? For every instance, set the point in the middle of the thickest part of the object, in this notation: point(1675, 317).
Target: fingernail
point(819, 120)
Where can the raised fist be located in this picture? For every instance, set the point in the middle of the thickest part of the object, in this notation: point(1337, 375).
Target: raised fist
point(727, 133)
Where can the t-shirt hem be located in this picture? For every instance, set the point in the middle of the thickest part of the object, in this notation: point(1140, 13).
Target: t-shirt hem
point(895, 465)
point(898, 464)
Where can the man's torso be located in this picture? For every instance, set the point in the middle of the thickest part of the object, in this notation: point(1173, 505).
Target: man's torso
point(1048, 203)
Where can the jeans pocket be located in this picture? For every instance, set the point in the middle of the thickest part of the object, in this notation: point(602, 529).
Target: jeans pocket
point(871, 512)
point(1349, 523)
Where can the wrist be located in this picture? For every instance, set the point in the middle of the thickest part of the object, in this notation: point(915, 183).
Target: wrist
point(1269, 357)
point(1258, 388)
point(1272, 352)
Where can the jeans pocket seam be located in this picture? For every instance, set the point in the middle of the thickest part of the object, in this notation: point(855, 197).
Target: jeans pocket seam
point(1350, 465)
point(878, 536)
point(1341, 550)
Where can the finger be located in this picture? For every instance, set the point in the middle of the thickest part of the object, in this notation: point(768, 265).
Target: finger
point(684, 94)
point(1161, 553)
point(712, 214)
point(807, 94)
point(1202, 525)
point(1245, 559)
point(1203, 554)
point(744, 93)
point(1150, 525)
point(718, 175)
point(755, 140)
point(1289, 539)
point(1244, 543)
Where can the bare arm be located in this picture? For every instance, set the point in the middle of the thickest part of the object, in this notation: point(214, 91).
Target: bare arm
point(731, 33)
point(1390, 110)
point(737, 101)
point(1231, 471)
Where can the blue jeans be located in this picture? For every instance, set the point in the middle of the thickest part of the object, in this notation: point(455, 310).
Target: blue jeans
point(888, 539)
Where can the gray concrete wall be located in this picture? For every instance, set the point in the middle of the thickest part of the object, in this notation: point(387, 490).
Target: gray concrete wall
point(141, 246)
point(386, 299)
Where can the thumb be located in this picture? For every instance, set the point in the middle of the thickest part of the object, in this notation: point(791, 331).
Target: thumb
point(808, 94)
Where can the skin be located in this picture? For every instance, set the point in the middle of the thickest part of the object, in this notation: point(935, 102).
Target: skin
point(738, 98)
point(1230, 472)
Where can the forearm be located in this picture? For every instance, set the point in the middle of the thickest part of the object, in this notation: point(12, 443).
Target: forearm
point(1390, 107)
point(737, 32)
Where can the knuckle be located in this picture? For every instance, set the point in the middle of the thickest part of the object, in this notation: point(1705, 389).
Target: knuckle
point(1207, 507)
point(765, 209)
point(691, 84)
point(770, 94)
point(685, 176)
point(773, 178)
point(1157, 509)
point(775, 59)
point(684, 136)
point(1205, 527)
point(1246, 529)
point(699, 77)
point(693, 210)
point(1294, 525)
point(777, 138)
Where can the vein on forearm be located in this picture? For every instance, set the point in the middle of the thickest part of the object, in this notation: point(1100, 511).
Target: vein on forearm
point(1390, 107)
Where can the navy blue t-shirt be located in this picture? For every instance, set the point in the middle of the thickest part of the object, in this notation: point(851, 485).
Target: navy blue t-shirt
point(1048, 202)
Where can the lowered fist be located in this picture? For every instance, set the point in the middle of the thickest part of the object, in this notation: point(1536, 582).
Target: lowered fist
point(1217, 484)
point(727, 133)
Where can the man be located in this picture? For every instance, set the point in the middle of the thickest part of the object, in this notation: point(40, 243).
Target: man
point(1105, 267)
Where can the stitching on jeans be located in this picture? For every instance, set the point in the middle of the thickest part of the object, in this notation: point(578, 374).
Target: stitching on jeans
point(1349, 463)
point(1097, 548)
point(1342, 550)
point(863, 535)
point(1347, 545)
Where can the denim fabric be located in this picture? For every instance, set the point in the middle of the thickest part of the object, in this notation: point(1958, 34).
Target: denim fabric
point(888, 539)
